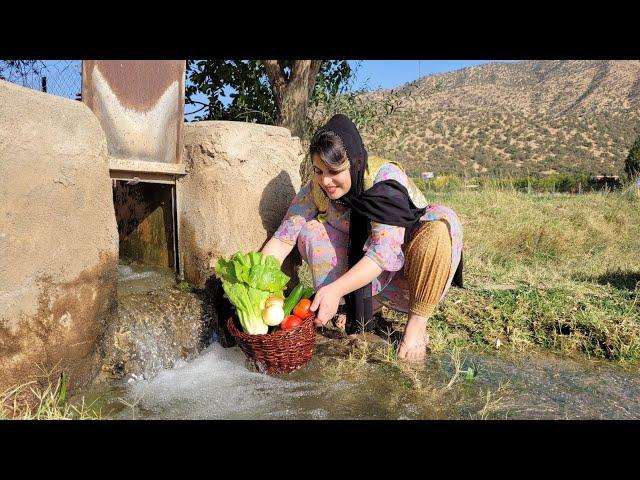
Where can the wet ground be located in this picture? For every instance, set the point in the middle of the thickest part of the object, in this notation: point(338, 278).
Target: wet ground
point(348, 378)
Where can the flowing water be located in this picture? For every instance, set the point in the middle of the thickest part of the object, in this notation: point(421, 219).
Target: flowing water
point(174, 371)
point(157, 324)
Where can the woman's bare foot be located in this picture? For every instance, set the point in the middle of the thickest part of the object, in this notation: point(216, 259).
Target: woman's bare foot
point(415, 340)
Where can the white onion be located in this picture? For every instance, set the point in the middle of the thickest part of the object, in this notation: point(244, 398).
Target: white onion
point(274, 301)
point(273, 315)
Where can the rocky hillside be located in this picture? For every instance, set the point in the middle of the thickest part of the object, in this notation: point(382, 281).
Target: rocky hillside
point(516, 118)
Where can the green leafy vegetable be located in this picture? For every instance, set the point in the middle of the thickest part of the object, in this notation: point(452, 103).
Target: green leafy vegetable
point(248, 280)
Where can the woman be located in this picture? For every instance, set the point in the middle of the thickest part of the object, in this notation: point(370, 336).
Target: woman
point(366, 241)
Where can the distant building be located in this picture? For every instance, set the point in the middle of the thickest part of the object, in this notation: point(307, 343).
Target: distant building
point(603, 178)
point(426, 175)
point(609, 181)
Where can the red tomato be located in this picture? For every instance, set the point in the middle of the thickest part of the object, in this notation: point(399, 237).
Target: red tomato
point(290, 322)
point(302, 308)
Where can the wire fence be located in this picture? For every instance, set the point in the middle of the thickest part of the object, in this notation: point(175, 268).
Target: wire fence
point(57, 77)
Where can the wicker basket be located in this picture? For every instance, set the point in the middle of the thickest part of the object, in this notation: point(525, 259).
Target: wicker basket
point(281, 352)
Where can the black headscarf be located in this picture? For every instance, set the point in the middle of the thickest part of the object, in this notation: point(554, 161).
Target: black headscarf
point(386, 202)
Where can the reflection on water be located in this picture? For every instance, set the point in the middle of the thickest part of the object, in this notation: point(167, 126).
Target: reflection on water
point(549, 386)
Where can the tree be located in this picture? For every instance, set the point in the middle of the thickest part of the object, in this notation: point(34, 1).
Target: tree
point(292, 92)
point(632, 162)
point(251, 100)
point(286, 92)
point(275, 92)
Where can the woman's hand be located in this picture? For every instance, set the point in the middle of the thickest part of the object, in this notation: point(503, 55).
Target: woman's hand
point(328, 297)
point(326, 303)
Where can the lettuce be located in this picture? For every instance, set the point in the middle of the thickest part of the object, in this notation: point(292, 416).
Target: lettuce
point(248, 280)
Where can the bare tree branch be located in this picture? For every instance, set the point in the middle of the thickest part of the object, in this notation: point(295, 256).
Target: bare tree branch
point(199, 109)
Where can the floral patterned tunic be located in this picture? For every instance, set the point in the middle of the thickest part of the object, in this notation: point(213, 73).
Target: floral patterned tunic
point(323, 239)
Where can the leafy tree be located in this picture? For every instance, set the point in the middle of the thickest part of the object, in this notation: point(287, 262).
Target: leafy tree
point(251, 101)
point(273, 92)
point(289, 94)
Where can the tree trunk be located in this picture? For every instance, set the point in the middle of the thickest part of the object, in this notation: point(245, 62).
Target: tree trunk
point(292, 96)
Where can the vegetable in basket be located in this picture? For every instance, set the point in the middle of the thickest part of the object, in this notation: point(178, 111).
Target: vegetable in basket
point(273, 314)
point(302, 309)
point(299, 292)
point(290, 322)
point(300, 312)
point(249, 280)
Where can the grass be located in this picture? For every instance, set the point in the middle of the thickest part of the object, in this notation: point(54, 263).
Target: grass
point(184, 286)
point(556, 272)
point(441, 388)
point(44, 399)
point(542, 271)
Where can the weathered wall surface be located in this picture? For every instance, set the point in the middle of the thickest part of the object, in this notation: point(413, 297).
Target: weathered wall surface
point(58, 237)
point(241, 179)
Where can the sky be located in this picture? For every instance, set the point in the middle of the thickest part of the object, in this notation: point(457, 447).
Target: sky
point(375, 74)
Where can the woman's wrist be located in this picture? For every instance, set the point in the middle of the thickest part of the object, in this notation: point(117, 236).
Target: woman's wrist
point(338, 288)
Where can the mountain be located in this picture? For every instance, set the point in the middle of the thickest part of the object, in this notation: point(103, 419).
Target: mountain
point(560, 116)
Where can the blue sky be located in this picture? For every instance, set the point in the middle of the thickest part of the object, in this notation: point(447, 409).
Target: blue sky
point(393, 73)
point(374, 74)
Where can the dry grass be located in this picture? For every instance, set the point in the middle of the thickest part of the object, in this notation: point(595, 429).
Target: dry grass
point(555, 271)
point(559, 272)
point(44, 399)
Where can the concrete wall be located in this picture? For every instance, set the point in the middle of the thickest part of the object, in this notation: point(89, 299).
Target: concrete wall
point(241, 179)
point(58, 237)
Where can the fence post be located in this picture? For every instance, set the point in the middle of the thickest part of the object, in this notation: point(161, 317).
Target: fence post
point(44, 84)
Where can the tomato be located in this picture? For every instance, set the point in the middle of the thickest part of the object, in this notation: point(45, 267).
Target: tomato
point(302, 308)
point(290, 322)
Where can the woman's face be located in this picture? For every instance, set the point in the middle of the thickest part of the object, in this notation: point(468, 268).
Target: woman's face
point(335, 183)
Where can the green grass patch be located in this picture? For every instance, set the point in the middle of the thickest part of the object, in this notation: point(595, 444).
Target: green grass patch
point(596, 321)
point(559, 272)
